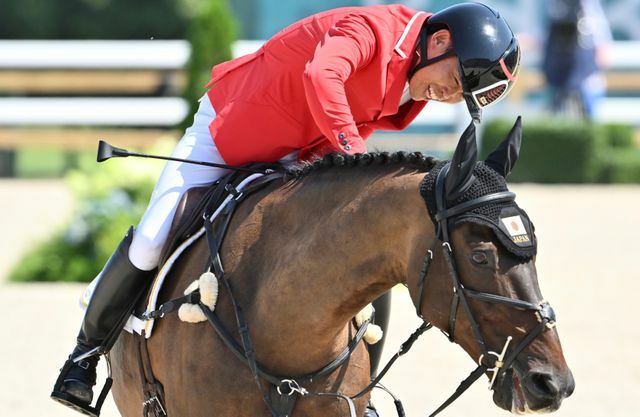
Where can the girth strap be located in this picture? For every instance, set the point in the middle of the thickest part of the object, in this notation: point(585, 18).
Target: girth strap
point(152, 390)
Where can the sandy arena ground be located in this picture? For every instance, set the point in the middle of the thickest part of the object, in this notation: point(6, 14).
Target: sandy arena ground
point(587, 267)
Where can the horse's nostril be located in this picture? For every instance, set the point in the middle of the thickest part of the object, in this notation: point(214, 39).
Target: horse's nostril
point(571, 385)
point(543, 385)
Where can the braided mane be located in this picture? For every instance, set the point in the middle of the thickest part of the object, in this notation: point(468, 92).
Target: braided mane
point(417, 159)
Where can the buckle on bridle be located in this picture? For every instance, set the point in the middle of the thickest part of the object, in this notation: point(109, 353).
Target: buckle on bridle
point(289, 386)
point(156, 403)
point(499, 362)
point(545, 314)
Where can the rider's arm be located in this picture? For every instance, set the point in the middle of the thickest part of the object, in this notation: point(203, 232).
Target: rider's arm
point(349, 45)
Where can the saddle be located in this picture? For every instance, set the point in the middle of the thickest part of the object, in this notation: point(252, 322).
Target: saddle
point(196, 205)
point(200, 200)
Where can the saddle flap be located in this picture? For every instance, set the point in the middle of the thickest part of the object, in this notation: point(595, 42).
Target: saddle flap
point(188, 217)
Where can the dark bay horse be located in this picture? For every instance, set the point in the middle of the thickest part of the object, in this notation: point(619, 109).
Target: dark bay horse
point(305, 257)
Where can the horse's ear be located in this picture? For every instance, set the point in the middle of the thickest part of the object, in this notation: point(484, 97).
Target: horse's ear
point(460, 175)
point(504, 158)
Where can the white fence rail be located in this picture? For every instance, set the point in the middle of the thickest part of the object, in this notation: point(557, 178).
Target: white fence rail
point(172, 55)
point(90, 54)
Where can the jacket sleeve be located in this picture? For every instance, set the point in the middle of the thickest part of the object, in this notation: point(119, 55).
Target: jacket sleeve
point(349, 45)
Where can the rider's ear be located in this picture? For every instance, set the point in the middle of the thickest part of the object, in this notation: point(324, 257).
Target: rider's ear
point(441, 39)
point(504, 158)
point(460, 175)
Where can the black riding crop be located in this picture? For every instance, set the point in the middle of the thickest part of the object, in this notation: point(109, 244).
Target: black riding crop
point(106, 151)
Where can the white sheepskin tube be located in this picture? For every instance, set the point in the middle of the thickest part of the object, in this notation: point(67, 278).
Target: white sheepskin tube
point(208, 285)
point(374, 332)
point(209, 290)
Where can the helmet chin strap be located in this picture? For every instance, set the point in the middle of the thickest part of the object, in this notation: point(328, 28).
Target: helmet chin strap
point(424, 61)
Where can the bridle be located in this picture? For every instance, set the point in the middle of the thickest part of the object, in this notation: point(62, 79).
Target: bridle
point(498, 363)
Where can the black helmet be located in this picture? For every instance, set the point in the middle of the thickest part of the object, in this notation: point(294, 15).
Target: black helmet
point(488, 52)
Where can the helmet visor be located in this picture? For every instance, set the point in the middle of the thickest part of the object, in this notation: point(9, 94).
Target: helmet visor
point(485, 84)
point(491, 94)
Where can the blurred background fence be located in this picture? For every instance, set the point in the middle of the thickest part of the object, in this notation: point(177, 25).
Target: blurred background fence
point(137, 77)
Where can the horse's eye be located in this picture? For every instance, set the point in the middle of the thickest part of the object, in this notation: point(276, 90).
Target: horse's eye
point(479, 258)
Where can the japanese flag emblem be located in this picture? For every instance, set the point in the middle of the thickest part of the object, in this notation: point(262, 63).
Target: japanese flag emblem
point(516, 228)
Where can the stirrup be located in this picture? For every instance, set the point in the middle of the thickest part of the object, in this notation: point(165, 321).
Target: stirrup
point(72, 402)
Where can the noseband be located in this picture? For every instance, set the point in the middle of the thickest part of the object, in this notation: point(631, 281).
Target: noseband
point(489, 360)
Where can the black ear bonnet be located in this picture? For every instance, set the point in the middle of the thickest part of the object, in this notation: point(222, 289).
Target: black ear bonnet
point(509, 222)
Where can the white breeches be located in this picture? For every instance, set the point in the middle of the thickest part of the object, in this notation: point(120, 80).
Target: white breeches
point(176, 178)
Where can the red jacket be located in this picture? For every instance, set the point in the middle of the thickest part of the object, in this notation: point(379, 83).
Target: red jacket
point(322, 84)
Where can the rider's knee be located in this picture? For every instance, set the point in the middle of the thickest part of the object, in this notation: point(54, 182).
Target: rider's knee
point(144, 253)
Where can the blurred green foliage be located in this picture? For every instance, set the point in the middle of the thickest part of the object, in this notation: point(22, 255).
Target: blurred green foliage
point(560, 151)
point(618, 135)
point(45, 162)
point(620, 166)
point(110, 198)
point(94, 19)
point(211, 33)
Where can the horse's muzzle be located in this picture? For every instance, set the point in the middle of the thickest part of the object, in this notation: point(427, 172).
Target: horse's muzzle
point(523, 392)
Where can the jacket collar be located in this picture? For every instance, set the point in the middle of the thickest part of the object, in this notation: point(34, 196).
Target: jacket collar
point(407, 41)
point(400, 64)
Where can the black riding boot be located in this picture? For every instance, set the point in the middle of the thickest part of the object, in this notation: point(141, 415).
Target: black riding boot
point(382, 306)
point(118, 289)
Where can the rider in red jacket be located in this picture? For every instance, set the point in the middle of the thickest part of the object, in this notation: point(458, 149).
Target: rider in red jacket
point(323, 84)
point(343, 78)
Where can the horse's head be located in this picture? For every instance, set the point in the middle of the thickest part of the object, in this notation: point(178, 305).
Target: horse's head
point(482, 287)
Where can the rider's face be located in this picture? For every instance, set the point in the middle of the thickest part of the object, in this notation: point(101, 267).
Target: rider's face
point(439, 81)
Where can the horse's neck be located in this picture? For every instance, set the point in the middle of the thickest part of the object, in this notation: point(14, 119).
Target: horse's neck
point(319, 251)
